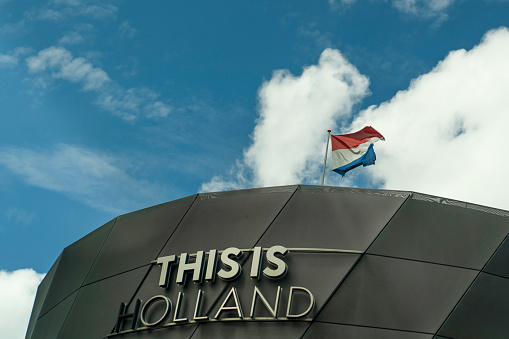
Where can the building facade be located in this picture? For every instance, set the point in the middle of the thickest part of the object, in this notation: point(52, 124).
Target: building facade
point(285, 262)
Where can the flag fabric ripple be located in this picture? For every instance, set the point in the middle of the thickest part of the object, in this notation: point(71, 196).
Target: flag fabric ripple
point(354, 149)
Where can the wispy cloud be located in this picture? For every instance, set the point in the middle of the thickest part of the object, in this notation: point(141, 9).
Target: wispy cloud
point(446, 133)
point(94, 178)
point(436, 9)
point(295, 113)
point(17, 295)
point(71, 38)
point(59, 63)
point(57, 11)
point(60, 10)
point(19, 216)
point(126, 31)
point(7, 60)
point(11, 58)
point(429, 9)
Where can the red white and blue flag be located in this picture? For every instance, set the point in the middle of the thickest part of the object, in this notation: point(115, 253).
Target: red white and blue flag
point(354, 149)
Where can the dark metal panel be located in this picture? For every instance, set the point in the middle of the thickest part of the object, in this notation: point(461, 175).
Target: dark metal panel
point(440, 233)
point(323, 330)
point(95, 310)
point(320, 273)
point(253, 330)
point(397, 294)
point(50, 323)
point(74, 265)
point(177, 332)
point(137, 238)
point(233, 218)
point(483, 312)
point(328, 217)
point(42, 291)
point(151, 288)
point(499, 264)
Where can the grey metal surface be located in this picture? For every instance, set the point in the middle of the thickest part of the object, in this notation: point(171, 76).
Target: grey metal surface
point(49, 325)
point(380, 296)
point(319, 272)
point(397, 294)
point(332, 218)
point(94, 312)
point(150, 288)
point(137, 238)
point(483, 312)
point(428, 231)
point(499, 263)
point(320, 330)
point(462, 204)
point(236, 218)
point(42, 291)
point(75, 263)
point(180, 332)
point(252, 330)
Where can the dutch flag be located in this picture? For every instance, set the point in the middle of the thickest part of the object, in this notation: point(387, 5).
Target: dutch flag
point(354, 149)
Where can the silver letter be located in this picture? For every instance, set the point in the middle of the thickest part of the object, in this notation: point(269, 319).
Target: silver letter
point(197, 308)
point(150, 302)
point(237, 307)
point(165, 269)
point(281, 268)
point(272, 311)
point(196, 267)
point(290, 301)
point(176, 319)
point(256, 263)
point(236, 269)
point(210, 275)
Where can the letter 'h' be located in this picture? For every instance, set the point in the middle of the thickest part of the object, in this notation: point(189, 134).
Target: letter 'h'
point(123, 316)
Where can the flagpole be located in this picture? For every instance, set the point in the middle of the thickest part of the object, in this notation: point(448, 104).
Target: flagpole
point(325, 160)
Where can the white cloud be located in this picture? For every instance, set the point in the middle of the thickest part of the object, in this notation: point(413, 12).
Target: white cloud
point(425, 8)
point(59, 63)
point(101, 11)
point(434, 9)
point(295, 113)
point(59, 10)
point(17, 296)
point(11, 58)
point(131, 103)
point(62, 65)
point(19, 216)
point(93, 178)
point(71, 38)
point(50, 14)
point(446, 133)
point(7, 60)
point(125, 30)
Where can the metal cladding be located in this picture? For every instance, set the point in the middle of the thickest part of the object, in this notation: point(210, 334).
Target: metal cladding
point(286, 262)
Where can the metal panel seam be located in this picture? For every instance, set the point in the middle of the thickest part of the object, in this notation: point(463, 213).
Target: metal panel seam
point(188, 209)
point(150, 268)
point(423, 261)
point(99, 252)
point(278, 213)
point(375, 327)
point(358, 260)
point(470, 286)
point(79, 289)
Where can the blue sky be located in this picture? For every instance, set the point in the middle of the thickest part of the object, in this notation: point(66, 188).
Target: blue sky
point(107, 107)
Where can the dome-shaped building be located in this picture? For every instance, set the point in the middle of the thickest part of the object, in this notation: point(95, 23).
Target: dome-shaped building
point(285, 262)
